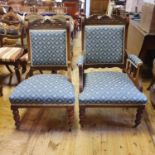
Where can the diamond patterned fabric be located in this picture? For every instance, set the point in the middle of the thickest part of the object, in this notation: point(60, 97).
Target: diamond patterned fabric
point(48, 47)
point(110, 88)
point(44, 89)
point(104, 44)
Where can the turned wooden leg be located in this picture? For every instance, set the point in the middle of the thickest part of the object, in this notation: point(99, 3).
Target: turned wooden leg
point(17, 73)
point(82, 116)
point(70, 113)
point(16, 116)
point(139, 115)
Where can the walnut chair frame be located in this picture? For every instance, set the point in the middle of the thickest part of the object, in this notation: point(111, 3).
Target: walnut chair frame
point(47, 25)
point(128, 67)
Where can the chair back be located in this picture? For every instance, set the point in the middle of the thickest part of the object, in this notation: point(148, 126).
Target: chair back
point(103, 42)
point(48, 45)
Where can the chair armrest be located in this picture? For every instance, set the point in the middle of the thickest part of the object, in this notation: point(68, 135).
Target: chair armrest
point(133, 68)
point(80, 64)
point(135, 60)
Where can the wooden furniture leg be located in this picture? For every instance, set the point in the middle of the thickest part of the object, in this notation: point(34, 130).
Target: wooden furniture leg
point(9, 69)
point(82, 116)
point(16, 116)
point(70, 113)
point(17, 72)
point(139, 115)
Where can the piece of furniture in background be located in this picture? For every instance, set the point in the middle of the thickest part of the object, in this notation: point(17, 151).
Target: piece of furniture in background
point(10, 56)
point(98, 6)
point(59, 10)
point(11, 27)
point(141, 44)
point(103, 44)
point(49, 45)
point(73, 10)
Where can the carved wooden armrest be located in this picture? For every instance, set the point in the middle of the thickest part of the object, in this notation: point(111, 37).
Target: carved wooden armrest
point(80, 64)
point(133, 68)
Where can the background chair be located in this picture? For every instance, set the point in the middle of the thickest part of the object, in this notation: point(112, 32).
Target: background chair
point(11, 28)
point(103, 42)
point(49, 50)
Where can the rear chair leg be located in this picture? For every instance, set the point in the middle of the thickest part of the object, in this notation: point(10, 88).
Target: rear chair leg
point(82, 116)
point(16, 116)
point(139, 115)
point(70, 113)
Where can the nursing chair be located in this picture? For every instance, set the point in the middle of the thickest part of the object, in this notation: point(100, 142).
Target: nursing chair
point(103, 43)
point(48, 45)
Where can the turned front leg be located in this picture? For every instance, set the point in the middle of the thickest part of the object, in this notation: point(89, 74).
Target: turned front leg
point(16, 116)
point(82, 116)
point(70, 112)
point(139, 115)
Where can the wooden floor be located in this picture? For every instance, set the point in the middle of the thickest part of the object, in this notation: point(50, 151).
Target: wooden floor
point(44, 131)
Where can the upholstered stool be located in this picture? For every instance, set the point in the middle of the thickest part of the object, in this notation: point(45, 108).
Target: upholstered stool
point(10, 56)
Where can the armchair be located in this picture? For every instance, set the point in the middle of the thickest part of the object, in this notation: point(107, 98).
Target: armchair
point(48, 47)
point(103, 43)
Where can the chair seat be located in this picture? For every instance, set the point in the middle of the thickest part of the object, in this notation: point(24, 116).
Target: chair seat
point(10, 54)
point(43, 89)
point(110, 88)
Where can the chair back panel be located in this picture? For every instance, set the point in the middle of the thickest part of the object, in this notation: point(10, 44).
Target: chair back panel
point(48, 47)
point(104, 44)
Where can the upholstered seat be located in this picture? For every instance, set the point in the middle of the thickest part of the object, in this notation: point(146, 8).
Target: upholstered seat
point(110, 88)
point(10, 54)
point(44, 89)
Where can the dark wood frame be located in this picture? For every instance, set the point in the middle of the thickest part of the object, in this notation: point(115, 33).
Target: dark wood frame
point(40, 24)
point(127, 67)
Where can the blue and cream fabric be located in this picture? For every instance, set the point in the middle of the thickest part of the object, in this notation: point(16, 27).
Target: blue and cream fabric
point(110, 88)
point(48, 47)
point(104, 44)
point(134, 59)
point(44, 89)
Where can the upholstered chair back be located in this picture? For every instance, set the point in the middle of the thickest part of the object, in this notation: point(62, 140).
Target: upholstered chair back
point(48, 47)
point(104, 44)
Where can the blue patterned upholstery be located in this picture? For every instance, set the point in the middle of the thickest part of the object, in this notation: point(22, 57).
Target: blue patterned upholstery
point(110, 88)
point(104, 44)
point(43, 89)
point(134, 59)
point(48, 47)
